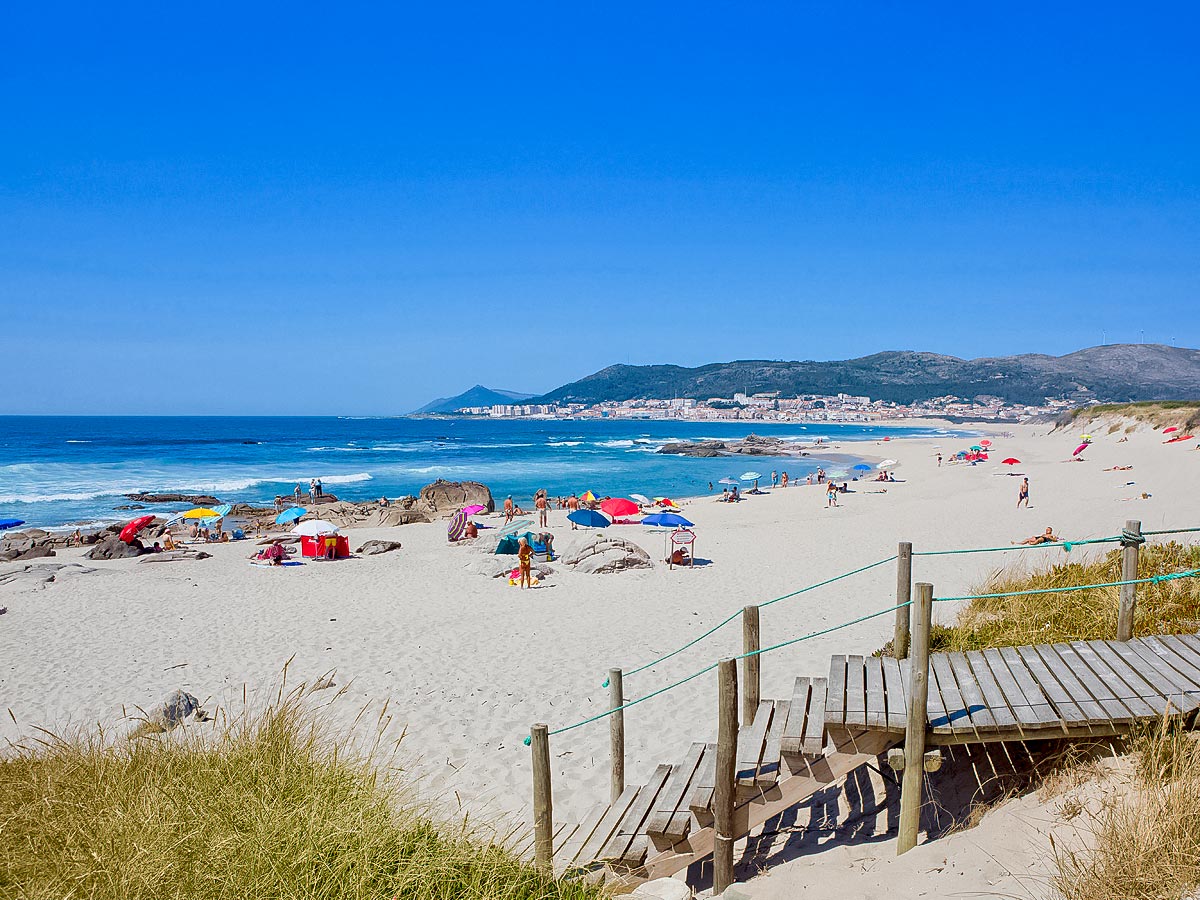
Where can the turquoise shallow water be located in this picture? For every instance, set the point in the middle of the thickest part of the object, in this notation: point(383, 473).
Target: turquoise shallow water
point(64, 470)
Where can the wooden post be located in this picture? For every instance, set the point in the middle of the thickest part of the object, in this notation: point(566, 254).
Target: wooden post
point(914, 735)
point(616, 727)
point(751, 665)
point(543, 808)
point(1129, 572)
point(723, 798)
point(903, 595)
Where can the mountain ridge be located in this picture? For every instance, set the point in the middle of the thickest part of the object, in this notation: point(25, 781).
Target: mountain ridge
point(473, 396)
point(1110, 372)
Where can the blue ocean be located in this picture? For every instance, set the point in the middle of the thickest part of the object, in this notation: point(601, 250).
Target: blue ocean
point(59, 471)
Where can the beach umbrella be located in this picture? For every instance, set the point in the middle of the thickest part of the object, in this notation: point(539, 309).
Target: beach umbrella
point(589, 518)
point(664, 501)
point(1087, 439)
point(200, 512)
point(6, 524)
point(986, 443)
point(474, 509)
point(888, 464)
point(862, 467)
point(290, 515)
point(666, 520)
point(458, 524)
point(1169, 430)
point(1011, 461)
point(976, 447)
point(750, 476)
point(641, 498)
point(619, 506)
point(219, 512)
point(587, 497)
point(728, 481)
point(315, 527)
point(514, 526)
point(1080, 448)
point(129, 532)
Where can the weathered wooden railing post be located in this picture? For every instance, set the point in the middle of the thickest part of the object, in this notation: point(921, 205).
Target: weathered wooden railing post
point(903, 596)
point(725, 788)
point(616, 730)
point(751, 665)
point(1131, 542)
point(543, 809)
point(914, 735)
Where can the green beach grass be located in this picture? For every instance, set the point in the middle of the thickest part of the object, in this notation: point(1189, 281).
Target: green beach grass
point(263, 806)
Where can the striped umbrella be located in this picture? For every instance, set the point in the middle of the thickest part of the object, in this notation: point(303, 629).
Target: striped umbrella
point(458, 525)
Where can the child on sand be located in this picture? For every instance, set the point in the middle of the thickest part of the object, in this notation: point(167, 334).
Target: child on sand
point(525, 558)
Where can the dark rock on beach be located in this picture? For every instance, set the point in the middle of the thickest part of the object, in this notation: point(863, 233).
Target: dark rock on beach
point(197, 499)
point(750, 445)
point(114, 548)
point(374, 548)
point(447, 497)
point(703, 449)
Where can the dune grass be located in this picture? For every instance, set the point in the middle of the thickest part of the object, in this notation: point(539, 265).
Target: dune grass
point(265, 805)
point(1169, 607)
point(1146, 844)
point(1156, 413)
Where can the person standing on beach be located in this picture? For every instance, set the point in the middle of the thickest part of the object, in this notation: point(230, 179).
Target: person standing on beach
point(783, 479)
point(312, 490)
point(1023, 496)
point(320, 488)
point(508, 509)
point(525, 561)
point(543, 508)
point(939, 459)
point(831, 493)
point(572, 506)
point(774, 478)
point(296, 494)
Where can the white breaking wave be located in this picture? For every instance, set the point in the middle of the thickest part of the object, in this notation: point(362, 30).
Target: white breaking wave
point(614, 444)
point(563, 443)
point(78, 442)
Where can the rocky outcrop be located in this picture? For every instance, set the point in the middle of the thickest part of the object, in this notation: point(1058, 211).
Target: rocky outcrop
point(603, 553)
point(42, 575)
point(447, 497)
point(30, 551)
point(196, 499)
point(703, 449)
point(170, 714)
point(754, 445)
point(115, 548)
point(374, 548)
point(750, 445)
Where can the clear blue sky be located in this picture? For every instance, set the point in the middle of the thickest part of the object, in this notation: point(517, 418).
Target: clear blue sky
point(420, 198)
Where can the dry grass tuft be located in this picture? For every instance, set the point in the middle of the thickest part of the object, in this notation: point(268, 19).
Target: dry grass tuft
point(267, 806)
point(1147, 845)
point(1169, 607)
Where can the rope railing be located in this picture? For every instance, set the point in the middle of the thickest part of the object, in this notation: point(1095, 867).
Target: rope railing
point(1123, 538)
point(1153, 579)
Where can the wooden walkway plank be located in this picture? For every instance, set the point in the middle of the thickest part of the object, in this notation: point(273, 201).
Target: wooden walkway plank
point(571, 848)
point(981, 716)
point(672, 795)
point(992, 695)
point(1168, 682)
point(1130, 691)
point(856, 697)
point(814, 723)
point(835, 692)
point(768, 772)
point(1181, 648)
point(618, 848)
point(876, 701)
point(793, 733)
point(701, 793)
point(897, 696)
point(1184, 686)
point(1068, 709)
point(1179, 662)
point(942, 680)
point(1034, 695)
point(1093, 712)
point(1013, 698)
point(1149, 684)
point(752, 742)
point(1113, 709)
point(1192, 640)
point(608, 825)
point(936, 713)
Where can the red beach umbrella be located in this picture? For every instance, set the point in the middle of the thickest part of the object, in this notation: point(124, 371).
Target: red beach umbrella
point(1011, 461)
point(619, 506)
point(985, 443)
point(1080, 448)
point(129, 532)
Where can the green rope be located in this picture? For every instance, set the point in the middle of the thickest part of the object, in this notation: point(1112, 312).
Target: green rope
point(1066, 545)
point(723, 623)
point(608, 712)
point(1171, 531)
point(1153, 579)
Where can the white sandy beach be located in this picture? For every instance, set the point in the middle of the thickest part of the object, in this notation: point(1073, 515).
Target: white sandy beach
point(468, 662)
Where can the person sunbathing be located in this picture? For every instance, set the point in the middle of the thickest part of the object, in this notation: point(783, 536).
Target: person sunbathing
point(1046, 537)
point(1118, 468)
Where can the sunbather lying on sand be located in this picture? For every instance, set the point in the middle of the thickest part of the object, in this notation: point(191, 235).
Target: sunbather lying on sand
point(1046, 537)
point(1118, 468)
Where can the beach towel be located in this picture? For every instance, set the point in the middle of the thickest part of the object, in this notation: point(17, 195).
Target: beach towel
point(265, 564)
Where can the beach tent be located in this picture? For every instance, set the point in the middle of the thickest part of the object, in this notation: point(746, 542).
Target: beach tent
point(510, 544)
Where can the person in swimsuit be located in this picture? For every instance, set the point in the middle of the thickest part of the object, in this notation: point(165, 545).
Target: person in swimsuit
point(1023, 496)
point(525, 559)
point(543, 508)
point(831, 493)
point(509, 509)
point(572, 506)
point(1046, 537)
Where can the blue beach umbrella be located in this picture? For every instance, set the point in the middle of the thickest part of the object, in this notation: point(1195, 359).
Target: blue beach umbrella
point(290, 515)
point(862, 467)
point(589, 518)
point(667, 520)
point(5, 524)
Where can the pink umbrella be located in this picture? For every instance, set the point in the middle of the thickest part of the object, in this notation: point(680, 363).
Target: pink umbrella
point(1169, 430)
point(473, 510)
point(619, 506)
point(1080, 449)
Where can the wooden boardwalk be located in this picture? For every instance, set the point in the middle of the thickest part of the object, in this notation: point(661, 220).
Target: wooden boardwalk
point(832, 725)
